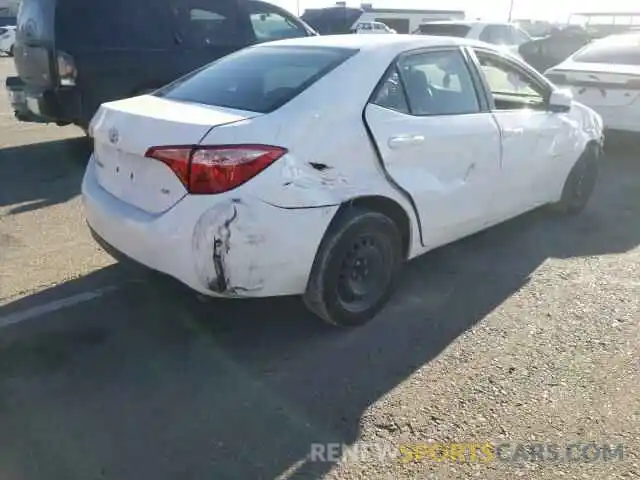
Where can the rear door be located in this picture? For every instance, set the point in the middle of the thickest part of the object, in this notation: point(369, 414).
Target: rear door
point(438, 142)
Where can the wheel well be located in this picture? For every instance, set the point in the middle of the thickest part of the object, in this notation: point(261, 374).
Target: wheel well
point(387, 207)
point(592, 145)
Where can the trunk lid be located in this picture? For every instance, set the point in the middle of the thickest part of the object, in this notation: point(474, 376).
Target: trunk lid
point(33, 49)
point(598, 84)
point(123, 132)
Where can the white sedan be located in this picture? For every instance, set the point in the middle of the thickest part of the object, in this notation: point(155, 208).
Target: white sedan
point(317, 166)
point(605, 75)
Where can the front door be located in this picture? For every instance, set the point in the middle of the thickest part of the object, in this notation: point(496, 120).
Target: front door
point(437, 142)
point(534, 139)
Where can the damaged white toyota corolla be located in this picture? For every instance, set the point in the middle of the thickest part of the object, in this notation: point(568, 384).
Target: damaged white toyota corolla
point(317, 166)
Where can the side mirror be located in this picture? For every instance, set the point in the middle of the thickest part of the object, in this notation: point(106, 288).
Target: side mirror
point(560, 101)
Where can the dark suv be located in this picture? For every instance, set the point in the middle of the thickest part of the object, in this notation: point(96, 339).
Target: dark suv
point(73, 55)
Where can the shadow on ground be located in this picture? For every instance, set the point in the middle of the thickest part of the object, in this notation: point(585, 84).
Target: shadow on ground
point(148, 382)
point(39, 175)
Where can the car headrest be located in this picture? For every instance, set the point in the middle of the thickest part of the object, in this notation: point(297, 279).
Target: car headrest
point(416, 81)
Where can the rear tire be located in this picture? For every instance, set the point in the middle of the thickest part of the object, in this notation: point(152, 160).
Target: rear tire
point(579, 185)
point(10, 52)
point(356, 268)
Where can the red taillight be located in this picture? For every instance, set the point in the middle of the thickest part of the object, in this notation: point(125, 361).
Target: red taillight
point(176, 158)
point(216, 169)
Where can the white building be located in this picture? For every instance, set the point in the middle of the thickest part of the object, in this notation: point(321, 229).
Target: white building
point(406, 20)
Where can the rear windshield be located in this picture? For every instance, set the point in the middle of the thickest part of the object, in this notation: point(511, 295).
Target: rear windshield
point(624, 51)
point(447, 30)
point(258, 79)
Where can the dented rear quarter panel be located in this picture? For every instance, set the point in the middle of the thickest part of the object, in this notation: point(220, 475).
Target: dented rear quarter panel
point(245, 247)
point(330, 159)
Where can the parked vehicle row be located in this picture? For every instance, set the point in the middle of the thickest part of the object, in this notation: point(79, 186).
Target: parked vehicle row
point(224, 180)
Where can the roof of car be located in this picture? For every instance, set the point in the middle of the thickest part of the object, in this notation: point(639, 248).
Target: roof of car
point(398, 42)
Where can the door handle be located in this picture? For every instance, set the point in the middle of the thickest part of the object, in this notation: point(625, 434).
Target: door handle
point(405, 141)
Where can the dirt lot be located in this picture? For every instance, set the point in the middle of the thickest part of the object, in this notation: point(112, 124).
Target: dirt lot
point(527, 333)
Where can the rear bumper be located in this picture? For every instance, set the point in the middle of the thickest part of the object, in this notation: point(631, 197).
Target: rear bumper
point(230, 247)
point(62, 106)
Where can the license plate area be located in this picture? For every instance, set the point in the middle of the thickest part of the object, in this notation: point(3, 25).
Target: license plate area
point(116, 169)
point(145, 183)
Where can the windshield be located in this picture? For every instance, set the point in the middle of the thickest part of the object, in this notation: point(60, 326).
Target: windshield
point(259, 79)
point(624, 50)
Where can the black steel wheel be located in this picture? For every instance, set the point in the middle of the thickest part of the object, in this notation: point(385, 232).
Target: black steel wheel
point(580, 184)
point(356, 267)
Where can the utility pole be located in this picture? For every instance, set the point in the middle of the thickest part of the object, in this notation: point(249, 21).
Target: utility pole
point(298, 7)
point(511, 2)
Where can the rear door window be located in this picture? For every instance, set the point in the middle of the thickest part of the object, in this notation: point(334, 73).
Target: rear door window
point(206, 23)
point(271, 24)
point(438, 83)
point(259, 79)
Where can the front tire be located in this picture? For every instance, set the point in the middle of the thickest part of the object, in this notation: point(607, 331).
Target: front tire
point(579, 185)
point(356, 268)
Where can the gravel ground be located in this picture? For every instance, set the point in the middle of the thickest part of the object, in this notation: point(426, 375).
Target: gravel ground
point(527, 333)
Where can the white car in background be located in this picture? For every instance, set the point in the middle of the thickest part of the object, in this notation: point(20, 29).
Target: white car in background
point(317, 166)
point(605, 75)
point(507, 36)
point(7, 39)
point(375, 28)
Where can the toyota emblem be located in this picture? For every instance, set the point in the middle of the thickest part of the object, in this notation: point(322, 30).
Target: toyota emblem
point(114, 136)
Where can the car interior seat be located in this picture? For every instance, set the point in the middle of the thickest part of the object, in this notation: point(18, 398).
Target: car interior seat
point(418, 90)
